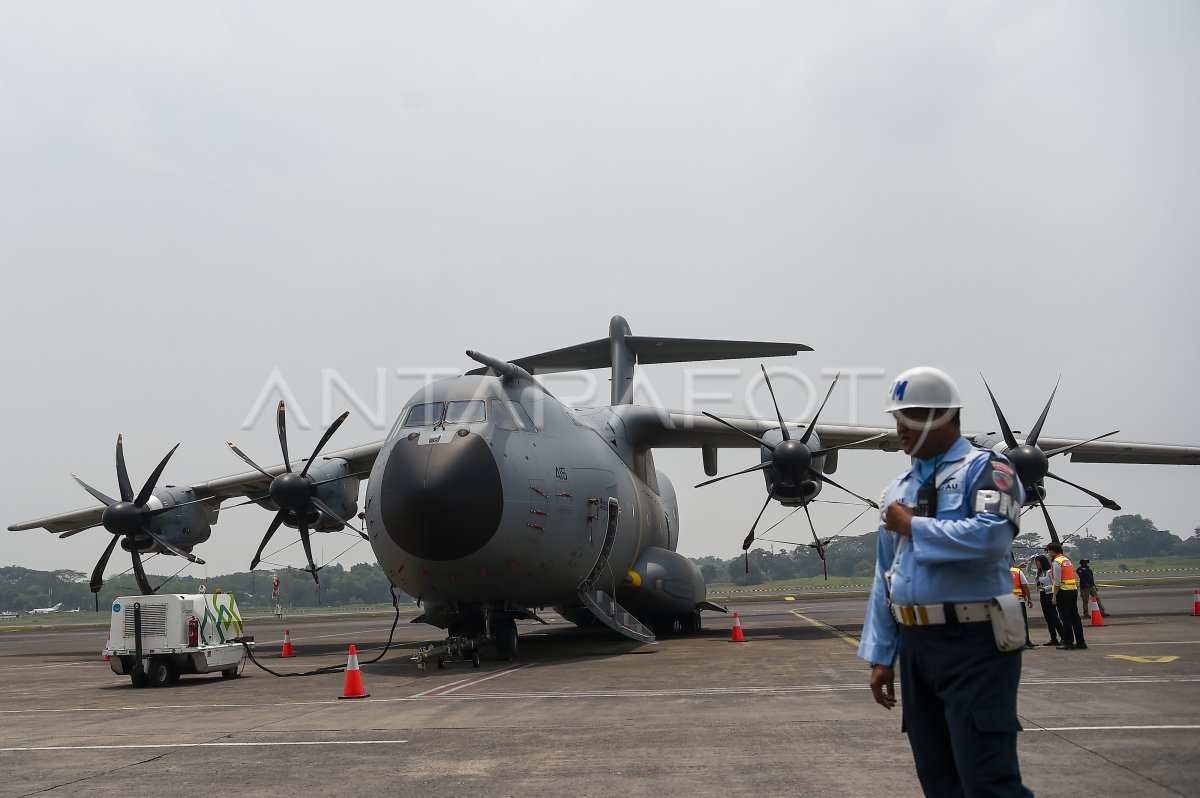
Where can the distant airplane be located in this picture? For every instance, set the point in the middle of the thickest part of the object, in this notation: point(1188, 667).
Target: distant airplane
point(46, 610)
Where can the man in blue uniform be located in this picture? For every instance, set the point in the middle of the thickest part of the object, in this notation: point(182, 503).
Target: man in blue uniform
point(943, 554)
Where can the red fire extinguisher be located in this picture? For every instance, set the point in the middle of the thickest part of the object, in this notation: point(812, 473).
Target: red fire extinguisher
point(193, 631)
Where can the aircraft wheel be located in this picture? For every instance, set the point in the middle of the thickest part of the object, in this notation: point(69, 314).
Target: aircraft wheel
point(690, 624)
point(160, 672)
point(506, 638)
point(441, 663)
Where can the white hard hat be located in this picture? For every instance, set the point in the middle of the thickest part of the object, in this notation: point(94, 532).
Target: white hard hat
point(923, 386)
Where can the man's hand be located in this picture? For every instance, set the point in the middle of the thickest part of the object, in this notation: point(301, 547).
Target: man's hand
point(898, 518)
point(883, 685)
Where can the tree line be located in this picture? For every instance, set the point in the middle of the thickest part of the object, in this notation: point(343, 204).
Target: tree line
point(22, 589)
point(1129, 537)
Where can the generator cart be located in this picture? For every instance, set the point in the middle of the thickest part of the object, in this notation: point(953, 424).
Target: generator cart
point(155, 639)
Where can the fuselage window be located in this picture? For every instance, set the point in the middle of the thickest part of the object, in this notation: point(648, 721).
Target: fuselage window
point(522, 417)
point(501, 417)
point(467, 411)
point(426, 415)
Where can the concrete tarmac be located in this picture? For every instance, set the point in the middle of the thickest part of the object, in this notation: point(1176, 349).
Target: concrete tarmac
point(583, 713)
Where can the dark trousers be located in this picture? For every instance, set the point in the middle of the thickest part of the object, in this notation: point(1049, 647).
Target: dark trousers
point(1068, 614)
point(1025, 618)
point(959, 702)
point(1050, 613)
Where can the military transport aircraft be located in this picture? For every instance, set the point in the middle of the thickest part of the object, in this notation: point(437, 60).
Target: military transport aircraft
point(489, 499)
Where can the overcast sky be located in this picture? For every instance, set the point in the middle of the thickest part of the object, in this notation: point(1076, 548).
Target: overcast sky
point(195, 195)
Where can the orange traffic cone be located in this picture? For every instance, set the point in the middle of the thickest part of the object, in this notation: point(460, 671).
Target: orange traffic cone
point(354, 683)
point(1097, 617)
point(107, 643)
point(1196, 602)
point(287, 644)
point(738, 637)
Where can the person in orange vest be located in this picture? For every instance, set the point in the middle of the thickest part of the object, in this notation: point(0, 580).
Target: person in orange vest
point(1021, 591)
point(1066, 599)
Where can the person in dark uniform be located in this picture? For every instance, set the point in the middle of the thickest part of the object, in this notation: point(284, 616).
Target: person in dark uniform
point(1087, 588)
point(943, 555)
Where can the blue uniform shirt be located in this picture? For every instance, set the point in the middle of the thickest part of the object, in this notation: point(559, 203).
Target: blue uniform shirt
point(959, 556)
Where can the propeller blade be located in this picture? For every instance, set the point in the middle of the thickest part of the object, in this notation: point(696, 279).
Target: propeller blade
point(749, 541)
point(829, 481)
point(324, 440)
point(1065, 449)
point(139, 572)
point(281, 425)
point(248, 461)
point(275, 523)
point(828, 449)
point(325, 508)
point(754, 438)
point(312, 566)
point(1010, 440)
point(818, 545)
point(1049, 523)
point(812, 425)
point(782, 426)
point(98, 572)
point(1107, 503)
point(1037, 428)
point(166, 544)
point(100, 497)
point(148, 488)
point(759, 467)
point(123, 473)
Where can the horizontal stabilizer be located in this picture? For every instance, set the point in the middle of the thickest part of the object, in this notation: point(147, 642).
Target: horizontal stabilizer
point(598, 354)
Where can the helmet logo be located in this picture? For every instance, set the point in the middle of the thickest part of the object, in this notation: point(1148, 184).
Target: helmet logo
point(898, 388)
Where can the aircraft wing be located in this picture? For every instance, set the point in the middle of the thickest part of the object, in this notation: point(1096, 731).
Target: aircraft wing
point(652, 427)
point(247, 483)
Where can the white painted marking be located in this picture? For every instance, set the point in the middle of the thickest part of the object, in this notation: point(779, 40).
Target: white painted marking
point(468, 682)
point(669, 692)
point(203, 745)
point(1108, 728)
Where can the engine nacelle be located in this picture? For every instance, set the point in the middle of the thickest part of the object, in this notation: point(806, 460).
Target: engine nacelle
point(341, 494)
point(186, 526)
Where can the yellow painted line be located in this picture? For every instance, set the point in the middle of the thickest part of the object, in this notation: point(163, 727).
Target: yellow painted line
point(789, 598)
point(1110, 584)
point(823, 625)
point(1131, 658)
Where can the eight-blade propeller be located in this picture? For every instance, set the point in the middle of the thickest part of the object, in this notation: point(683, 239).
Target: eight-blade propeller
point(1033, 464)
point(791, 460)
point(294, 493)
point(129, 517)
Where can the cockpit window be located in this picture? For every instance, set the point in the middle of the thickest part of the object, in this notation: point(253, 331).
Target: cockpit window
point(425, 415)
point(522, 417)
point(465, 412)
point(501, 417)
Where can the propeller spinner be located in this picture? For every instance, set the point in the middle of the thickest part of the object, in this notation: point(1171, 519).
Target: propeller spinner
point(1033, 465)
point(129, 518)
point(294, 493)
point(791, 460)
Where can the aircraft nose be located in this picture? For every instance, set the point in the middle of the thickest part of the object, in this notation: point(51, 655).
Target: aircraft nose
point(441, 501)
